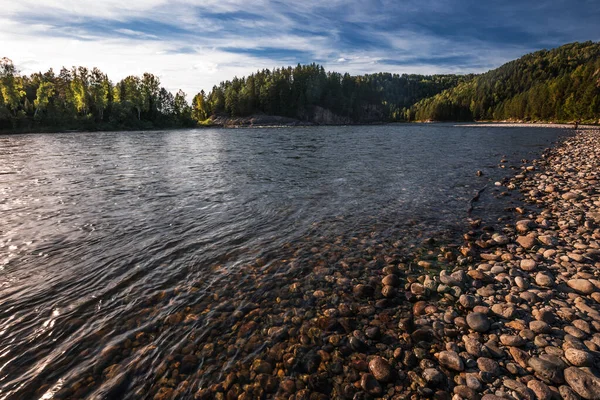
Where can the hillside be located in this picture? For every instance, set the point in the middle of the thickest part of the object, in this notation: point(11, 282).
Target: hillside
point(562, 84)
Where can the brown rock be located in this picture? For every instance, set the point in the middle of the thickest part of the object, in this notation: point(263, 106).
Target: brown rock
point(381, 369)
point(579, 358)
point(540, 327)
point(584, 384)
point(541, 390)
point(526, 242)
point(451, 360)
point(528, 264)
point(519, 356)
point(582, 286)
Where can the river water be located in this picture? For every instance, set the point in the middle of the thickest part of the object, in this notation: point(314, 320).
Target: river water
point(119, 248)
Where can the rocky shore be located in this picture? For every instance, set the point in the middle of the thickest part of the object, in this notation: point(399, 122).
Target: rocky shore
point(513, 312)
point(520, 319)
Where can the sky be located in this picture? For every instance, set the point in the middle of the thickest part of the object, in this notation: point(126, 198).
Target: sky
point(195, 44)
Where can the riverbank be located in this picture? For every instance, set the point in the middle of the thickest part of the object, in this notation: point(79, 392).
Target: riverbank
point(528, 124)
point(269, 121)
point(521, 318)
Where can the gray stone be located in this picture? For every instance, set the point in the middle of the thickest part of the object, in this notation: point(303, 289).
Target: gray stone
point(479, 322)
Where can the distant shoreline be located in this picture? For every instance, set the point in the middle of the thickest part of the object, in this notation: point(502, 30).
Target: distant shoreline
point(278, 124)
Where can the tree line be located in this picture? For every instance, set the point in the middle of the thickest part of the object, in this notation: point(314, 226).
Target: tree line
point(296, 91)
point(562, 84)
point(79, 98)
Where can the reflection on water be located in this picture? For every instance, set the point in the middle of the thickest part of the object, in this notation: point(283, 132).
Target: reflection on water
point(130, 246)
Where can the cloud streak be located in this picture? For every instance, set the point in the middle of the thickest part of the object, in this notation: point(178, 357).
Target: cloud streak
point(194, 44)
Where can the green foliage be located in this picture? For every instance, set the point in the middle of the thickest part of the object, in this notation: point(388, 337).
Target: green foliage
point(296, 92)
point(11, 87)
point(82, 99)
point(562, 84)
point(43, 94)
point(200, 111)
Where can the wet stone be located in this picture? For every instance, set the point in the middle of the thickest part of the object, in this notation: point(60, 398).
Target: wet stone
point(189, 363)
point(381, 369)
point(357, 344)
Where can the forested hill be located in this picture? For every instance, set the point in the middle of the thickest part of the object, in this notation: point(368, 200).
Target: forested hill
point(562, 84)
point(307, 92)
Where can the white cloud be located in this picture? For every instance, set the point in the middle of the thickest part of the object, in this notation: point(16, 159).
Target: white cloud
point(185, 44)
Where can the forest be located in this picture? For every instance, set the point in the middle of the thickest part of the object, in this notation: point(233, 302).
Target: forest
point(83, 99)
point(561, 84)
point(558, 85)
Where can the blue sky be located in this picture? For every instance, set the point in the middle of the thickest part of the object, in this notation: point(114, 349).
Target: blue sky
point(192, 44)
